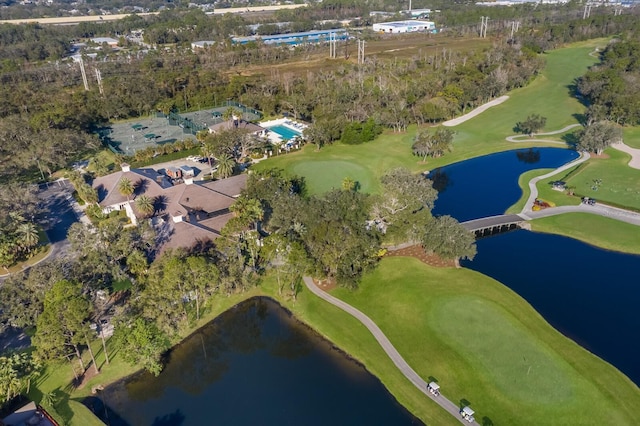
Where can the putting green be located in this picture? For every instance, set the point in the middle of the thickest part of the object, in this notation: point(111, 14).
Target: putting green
point(322, 176)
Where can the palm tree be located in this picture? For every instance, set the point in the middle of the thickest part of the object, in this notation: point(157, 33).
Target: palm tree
point(230, 113)
point(225, 165)
point(28, 235)
point(145, 205)
point(248, 210)
point(126, 188)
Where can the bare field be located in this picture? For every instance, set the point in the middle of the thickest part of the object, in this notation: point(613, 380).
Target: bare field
point(401, 46)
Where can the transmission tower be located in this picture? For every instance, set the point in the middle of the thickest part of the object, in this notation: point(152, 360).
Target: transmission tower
point(360, 52)
point(99, 78)
point(587, 11)
point(484, 21)
point(333, 45)
point(84, 75)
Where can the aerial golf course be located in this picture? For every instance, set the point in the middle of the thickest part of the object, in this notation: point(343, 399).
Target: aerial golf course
point(514, 368)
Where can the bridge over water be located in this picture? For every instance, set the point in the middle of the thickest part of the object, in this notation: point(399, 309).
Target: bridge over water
point(491, 225)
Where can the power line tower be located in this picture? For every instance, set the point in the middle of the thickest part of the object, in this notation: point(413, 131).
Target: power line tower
point(84, 74)
point(99, 78)
point(484, 21)
point(360, 52)
point(333, 45)
point(587, 11)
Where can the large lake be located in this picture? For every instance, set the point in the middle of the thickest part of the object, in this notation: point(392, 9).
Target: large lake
point(254, 365)
point(589, 294)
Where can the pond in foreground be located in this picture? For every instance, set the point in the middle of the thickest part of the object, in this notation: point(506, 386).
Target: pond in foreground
point(255, 364)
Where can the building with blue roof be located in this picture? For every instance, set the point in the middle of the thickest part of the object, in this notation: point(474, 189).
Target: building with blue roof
point(294, 39)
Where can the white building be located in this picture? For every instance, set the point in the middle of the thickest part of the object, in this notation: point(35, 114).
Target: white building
point(202, 44)
point(404, 26)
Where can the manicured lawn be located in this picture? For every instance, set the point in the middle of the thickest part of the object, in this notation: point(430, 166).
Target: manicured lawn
point(632, 136)
point(548, 95)
point(604, 232)
point(486, 345)
point(608, 180)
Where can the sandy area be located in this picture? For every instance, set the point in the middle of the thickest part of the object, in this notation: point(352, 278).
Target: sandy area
point(633, 152)
point(479, 110)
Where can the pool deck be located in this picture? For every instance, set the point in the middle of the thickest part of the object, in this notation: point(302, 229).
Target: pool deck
point(293, 125)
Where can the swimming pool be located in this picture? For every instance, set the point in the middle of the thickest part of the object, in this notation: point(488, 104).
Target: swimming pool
point(285, 132)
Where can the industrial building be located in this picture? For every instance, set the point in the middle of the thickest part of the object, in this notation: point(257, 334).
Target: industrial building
point(294, 39)
point(404, 27)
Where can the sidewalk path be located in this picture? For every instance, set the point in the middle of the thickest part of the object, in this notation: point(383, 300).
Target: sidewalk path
point(391, 351)
point(477, 111)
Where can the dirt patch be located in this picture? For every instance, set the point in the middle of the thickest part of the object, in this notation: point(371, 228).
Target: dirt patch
point(602, 156)
point(89, 374)
point(325, 284)
point(430, 259)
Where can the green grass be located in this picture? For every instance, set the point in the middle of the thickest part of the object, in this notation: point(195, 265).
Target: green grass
point(632, 136)
point(619, 182)
point(548, 95)
point(604, 232)
point(486, 345)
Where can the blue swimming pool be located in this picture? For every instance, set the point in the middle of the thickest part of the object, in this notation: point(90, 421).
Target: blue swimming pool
point(286, 132)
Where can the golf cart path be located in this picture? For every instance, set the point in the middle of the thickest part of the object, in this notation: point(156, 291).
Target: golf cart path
point(634, 163)
point(477, 111)
point(391, 351)
point(518, 138)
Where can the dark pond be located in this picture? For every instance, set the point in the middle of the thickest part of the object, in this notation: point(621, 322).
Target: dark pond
point(589, 294)
point(488, 186)
point(255, 365)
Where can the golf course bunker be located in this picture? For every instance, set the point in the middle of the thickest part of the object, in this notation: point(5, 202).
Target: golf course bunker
point(322, 176)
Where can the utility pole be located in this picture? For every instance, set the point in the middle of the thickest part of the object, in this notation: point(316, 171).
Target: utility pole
point(587, 11)
point(360, 52)
point(84, 75)
point(617, 11)
point(515, 25)
point(99, 78)
point(333, 51)
point(483, 26)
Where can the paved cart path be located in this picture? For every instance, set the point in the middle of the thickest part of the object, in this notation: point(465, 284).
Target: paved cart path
point(391, 351)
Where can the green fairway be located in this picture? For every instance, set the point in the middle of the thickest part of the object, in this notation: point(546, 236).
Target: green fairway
point(486, 345)
point(548, 95)
point(632, 136)
point(604, 232)
point(609, 180)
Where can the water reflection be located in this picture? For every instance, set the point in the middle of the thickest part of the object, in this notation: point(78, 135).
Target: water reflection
point(488, 186)
point(254, 365)
point(529, 156)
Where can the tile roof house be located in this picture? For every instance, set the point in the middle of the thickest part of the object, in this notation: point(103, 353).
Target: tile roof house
point(198, 211)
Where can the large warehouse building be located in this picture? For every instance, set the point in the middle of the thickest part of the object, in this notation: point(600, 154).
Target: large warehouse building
point(404, 26)
point(295, 39)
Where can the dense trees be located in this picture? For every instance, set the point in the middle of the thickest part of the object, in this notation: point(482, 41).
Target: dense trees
point(611, 86)
point(17, 372)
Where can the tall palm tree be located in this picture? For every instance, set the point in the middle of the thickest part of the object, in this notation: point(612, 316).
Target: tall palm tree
point(28, 235)
point(225, 165)
point(145, 205)
point(126, 188)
